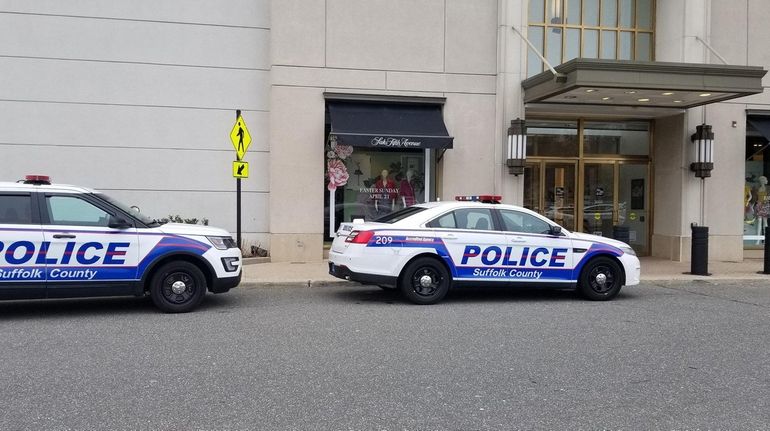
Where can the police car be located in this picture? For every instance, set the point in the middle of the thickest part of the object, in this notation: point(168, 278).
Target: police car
point(60, 241)
point(425, 249)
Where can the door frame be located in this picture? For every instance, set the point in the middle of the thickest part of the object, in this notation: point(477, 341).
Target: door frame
point(616, 160)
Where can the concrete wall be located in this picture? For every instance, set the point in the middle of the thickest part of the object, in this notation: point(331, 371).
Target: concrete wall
point(736, 30)
point(137, 99)
point(444, 48)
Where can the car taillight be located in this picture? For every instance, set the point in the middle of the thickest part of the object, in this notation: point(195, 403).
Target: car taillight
point(360, 236)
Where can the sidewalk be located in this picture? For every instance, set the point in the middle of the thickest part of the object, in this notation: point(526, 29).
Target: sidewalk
point(261, 272)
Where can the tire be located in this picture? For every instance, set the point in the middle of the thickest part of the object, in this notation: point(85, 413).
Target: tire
point(425, 281)
point(190, 287)
point(601, 279)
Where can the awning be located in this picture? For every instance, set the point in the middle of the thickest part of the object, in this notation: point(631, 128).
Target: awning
point(761, 124)
point(609, 85)
point(388, 124)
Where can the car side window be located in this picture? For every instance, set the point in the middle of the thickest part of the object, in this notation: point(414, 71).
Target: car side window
point(516, 221)
point(465, 218)
point(16, 209)
point(71, 210)
point(446, 221)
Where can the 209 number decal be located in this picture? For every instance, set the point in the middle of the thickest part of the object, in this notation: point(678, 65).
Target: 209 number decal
point(384, 240)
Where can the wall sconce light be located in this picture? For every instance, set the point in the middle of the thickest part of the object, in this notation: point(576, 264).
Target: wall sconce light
point(517, 147)
point(704, 151)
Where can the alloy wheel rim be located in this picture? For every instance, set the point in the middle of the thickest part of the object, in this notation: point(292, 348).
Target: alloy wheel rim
point(426, 281)
point(178, 287)
point(601, 279)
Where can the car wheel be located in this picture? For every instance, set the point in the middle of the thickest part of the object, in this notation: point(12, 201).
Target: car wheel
point(601, 279)
point(425, 281)
point(177, 287)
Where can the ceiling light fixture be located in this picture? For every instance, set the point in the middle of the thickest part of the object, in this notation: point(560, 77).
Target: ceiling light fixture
point(704, 94)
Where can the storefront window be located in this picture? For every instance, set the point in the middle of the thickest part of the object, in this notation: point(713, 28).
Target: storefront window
point(756, 193)
point(368, 183)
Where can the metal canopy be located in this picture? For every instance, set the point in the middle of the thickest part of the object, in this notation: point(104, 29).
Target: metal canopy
point(620, 83)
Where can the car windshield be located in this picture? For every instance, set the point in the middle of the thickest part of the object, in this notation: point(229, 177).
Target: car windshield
point(136, 214)
point(399, 215)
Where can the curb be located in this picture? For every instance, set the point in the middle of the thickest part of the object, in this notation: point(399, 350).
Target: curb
point(298, 283)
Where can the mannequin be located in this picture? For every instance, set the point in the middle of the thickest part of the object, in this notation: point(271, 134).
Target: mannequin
point(385, 194)
point(762, 206)
point(406, 189)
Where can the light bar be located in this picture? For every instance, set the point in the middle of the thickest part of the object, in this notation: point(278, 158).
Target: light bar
point(489, 199)
point(37, 179)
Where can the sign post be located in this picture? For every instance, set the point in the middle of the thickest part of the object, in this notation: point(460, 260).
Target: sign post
point(241, 140)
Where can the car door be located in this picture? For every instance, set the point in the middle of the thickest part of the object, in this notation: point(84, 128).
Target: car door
point(22, 274)
point(536, 255)
point(89, 258)
point(473, 242)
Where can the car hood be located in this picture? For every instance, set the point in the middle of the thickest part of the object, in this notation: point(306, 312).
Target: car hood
point(597, 238)
point(192, 229)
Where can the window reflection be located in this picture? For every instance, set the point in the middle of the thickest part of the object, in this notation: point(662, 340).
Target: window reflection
point(608, 45)
point(552, 138)
point(609, 13)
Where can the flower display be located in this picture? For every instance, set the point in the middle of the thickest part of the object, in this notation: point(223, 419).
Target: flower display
point(337, 173)
point(343, 151)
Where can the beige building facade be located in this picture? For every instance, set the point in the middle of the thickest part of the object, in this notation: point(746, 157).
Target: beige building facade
point(138, 100)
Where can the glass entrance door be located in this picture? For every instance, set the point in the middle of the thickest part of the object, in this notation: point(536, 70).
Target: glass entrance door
point(634, 203)
point(550, 190)
point(615, 193)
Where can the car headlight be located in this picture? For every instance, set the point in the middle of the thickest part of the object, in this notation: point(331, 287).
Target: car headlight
point(222, 242)
point(628, 250)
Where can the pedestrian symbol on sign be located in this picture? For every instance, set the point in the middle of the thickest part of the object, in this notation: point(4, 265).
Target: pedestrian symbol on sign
point(240, 138)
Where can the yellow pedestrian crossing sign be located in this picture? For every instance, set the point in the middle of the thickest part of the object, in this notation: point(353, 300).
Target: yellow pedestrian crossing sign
point(240, 137)
point(240, 169)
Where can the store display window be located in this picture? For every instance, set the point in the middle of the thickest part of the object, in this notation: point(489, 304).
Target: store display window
point(368, 183)
point(756, 192)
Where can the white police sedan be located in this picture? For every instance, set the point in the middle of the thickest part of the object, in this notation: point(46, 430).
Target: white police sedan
point(425, 249)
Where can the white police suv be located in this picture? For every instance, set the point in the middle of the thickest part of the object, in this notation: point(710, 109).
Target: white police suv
point(60, 241)
point(425, 249)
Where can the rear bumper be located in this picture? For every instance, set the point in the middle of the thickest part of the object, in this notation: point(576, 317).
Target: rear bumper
point(343, 272)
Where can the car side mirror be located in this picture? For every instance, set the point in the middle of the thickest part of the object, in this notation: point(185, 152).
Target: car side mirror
point(555, 230)
point(117, 222)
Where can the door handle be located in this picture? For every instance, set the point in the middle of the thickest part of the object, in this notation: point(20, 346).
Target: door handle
point(448, 235)
point(63, 235)
point(518, 239)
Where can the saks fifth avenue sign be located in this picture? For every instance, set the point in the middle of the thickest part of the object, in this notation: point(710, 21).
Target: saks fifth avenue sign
point(380, 141)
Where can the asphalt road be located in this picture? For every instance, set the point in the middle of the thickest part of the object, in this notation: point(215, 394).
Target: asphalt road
point(665, 356)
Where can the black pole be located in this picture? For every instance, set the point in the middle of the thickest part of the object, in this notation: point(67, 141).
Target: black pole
point(700, 250)
point(238, 194)
point(767, 250)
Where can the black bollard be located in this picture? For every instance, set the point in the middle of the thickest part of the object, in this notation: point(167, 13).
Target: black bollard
point(767, 252)
point(700, 250)
point(621, 233)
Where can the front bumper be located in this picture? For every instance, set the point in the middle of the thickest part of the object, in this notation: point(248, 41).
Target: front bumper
point(222, 285)
point(343, 272)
